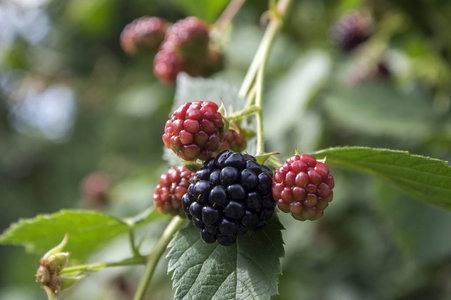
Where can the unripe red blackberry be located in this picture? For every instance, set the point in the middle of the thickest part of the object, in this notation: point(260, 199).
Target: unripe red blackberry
point(303, 187)
point(172, 186)
point(233, 140)
point(167, 65)
point(229, 196)
point(195, 130)
point(188, 37)
point(143, 35)
point(351, 30)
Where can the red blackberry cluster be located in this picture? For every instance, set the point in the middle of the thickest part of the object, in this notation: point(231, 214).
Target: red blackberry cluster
point(229, 196)
point(168, 194)
point(351, 30)
point(303, 187)
point(195, 130)
point(143, 35)
point(186, 47)
point(233, 140)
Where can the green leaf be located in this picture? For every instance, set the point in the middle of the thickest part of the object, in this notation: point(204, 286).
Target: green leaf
point(249, 269)
point(419, 239)
point(381, 110)
point(425, 178)
point(149, 215)
point(208, 10)
point(87, 230)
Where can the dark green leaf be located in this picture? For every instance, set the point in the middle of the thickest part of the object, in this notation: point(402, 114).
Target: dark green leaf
point(425, 178)
point(249, 269)
point(87, 230)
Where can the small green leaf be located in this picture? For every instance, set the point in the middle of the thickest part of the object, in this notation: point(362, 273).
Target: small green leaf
point(249, 269)
point(205, 9)
point(425, 178)
point(87, 230)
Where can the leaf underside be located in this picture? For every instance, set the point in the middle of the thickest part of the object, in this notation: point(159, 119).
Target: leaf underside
point(425, 178)
point(249, 269)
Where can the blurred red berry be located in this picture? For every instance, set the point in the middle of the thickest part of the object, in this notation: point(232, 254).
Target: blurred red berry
point(143, 35)
point(94, 189)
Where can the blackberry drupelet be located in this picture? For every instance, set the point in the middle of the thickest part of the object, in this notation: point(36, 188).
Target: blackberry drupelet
point(229, 196)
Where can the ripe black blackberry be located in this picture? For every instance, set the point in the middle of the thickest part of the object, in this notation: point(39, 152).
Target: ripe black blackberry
point(351, 30)
point(229, 196)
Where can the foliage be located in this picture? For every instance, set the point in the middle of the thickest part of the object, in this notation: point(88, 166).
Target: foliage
point(72, 104)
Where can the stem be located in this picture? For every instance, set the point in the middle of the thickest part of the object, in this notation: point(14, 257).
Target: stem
point(94, 267)
point(263, 49)
point(131, 238)
point(229, 13)
point(156, 254)
point(245, 112)
point(265, 44)
point(254, 79)
point(258, 103)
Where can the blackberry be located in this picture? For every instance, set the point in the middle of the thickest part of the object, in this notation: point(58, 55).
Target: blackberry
point(167, 65)
point(351, 30)
point(195, 130)
point(173, 185)
point(234, 140)
point(143, 35)
point(303, 187)
point(186, 48)
point(229, 196)
point(188, 37)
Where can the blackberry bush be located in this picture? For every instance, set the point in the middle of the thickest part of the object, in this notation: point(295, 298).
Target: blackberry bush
point(229, 196)
point(172, 186)
point(303, 187)
point(195, 130)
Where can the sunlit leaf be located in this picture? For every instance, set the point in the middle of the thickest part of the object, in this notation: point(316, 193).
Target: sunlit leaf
point(249, 269)
point(423, 177)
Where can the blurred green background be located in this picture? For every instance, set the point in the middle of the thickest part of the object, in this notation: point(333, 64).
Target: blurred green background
point(79, 117)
